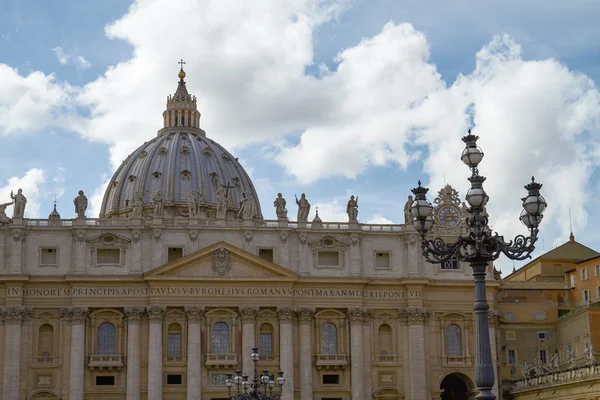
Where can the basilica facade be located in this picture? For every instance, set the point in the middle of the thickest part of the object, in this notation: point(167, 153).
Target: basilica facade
point(180, 277)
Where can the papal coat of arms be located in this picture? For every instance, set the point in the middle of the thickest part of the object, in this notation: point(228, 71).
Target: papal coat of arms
point(221, 262)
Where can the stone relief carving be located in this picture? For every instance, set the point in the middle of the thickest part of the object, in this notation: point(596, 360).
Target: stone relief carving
point(359, 315)
point(134, 315)
point(447, 195)
point(155, 313)
point(283, 237)
point(193, 235)
point(352, 210)
point(194, 314)
point(355, 239)
point(156, 234)
point(78, 236)
point(15, 315)
point(305, 315)
point(303, 238)
point(74, 315)
point(280, 209)
point(248, 235)
point(20, 201)
point(411, 240)
point(303, 208)
point(248, 314)
point(81, 203)
point(285, 314)
point(221, 261)
point(19, 235)
point(4, 220)
point(135, 236)
point(329, 242)
point(413, 316)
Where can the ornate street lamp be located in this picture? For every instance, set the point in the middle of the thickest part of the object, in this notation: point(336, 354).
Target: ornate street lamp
point(259, 389)
point(479, 247)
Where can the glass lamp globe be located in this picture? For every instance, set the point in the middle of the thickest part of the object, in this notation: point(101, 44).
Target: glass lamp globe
point(472, 156)
point(535, 204)
point(421, 208)
point(476, 197)
point(254, 356)
point(238, 378)
point(425, 226)
point(530, 221)
point(265, 377)
point(245, 385)
point(271, 383)
point(280, 378)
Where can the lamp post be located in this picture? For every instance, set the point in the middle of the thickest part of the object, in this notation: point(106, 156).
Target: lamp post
point(259, 389)
point(479, 247)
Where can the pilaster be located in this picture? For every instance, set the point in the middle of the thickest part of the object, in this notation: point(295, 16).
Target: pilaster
point(416, 318)
point(19, 236)
point(248, 316)
point(357, 356)
point(306, 322)
point(76, 317)
point(134, 319)
point(194, 358)
point(286, 350)
point(155, 319)
point(13, 318)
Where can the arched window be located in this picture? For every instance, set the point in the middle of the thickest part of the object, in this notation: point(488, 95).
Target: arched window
point(107, 339)
point(174, 340)
point(385, 340)
point(46, 340)
point(453, 341)
point(329, 339)
point(265, 340)
point(220, 338)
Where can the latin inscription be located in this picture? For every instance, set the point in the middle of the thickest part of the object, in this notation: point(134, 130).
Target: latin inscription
point(209, 291)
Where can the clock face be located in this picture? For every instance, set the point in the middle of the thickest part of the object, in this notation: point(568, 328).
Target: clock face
point(448, 216)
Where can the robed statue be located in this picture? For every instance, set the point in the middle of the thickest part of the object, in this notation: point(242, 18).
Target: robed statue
point(247, 206)
point(19, 201)
point(157, 203)
point(4, 220)
point(81, 203)
point(407, 210)
point(303, 208)
point(352, 209)
point(279, 205)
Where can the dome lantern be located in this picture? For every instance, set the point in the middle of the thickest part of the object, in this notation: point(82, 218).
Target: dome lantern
point(182, 110)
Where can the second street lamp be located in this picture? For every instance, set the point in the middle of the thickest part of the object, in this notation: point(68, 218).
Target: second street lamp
point(259, 388)
point(479, 247)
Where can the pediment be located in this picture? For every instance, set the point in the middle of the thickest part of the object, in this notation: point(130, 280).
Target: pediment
point(221, 261)
point(108, 239)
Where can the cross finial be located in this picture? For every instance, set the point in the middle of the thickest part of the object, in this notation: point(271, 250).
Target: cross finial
point(181, 63)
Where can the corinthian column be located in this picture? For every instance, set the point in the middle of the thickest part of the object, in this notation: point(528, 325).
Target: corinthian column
point(76, 317)
point(13, 316)
point(155, 317)
point(305, 320)
point(357, 356)
point(286, 350)
point(194, 358)
point(134, 318)
point(248, 315)
point(415, 318)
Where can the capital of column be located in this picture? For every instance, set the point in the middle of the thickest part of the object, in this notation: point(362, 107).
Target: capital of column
point(134, 315)
point(15, 315)
point(413, 316)
point(493, 318)
point(248, 314)
point(155, 314)
point(356, 316)
point(285, 314)
point(74, 315)
point(305, 316)
point(194, 314)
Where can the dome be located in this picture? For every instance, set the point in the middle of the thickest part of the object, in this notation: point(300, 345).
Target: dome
point(179, 167)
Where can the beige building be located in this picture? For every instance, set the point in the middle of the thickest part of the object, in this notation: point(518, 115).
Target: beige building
point(181, 276)
point(550, 324)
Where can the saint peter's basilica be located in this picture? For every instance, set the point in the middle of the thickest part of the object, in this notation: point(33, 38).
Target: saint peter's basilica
point(180, 277)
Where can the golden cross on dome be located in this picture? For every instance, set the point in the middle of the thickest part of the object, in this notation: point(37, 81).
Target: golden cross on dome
point(181, 63)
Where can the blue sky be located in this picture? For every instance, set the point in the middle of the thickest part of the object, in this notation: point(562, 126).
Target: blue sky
point(330, 98)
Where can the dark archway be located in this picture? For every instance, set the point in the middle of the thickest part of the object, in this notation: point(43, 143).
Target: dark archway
point(454, 388)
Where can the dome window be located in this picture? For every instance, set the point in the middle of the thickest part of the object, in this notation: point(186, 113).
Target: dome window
point(115, 183)
point(185, 150)
point(156, 174)
point(131, 178)
point(214, 178)
point(225, 156)
point(143, 154)
point(184, 137)
point(186, 175)
point(162, 151)
point(207, 151)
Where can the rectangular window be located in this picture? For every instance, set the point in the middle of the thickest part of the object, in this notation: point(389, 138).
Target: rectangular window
point(266, 344)
point(585, 295)
point(572, 280)
point(452, 263)
point(543, 356)
point(329, 259)
point(512, 356)
point(174, 379)
point(105, 380)
point(584, 274)
point(330, 379)
point(511, 335)
point(382, 260)
point(597, 270)
point(598, 292)
point(174, 344)
point(266, 254)
point(542, 336)
point(509, 315)
point(174, 253)
point(108, 256)
point(49, 257)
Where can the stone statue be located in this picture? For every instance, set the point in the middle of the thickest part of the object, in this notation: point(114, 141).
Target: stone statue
point(537, 367)
point(571, 358)
point(513, 371)
point(158, 204)
point(280, 209)
point(407, 212)
point(352, 209)
point(138, 205)
point(247, 206)
point(524, 369)
point(4, 220)
point(191, 205)
point(20, 201)
point(554, 362)
point(591, 355)
point(200, 194)
point(222, 194)
point(303, 208)
point(81, 203)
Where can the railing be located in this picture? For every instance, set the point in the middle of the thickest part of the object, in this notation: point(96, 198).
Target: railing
point(221, 360)
point(268, 357)
point(331, 361)
point(549, 379)
point(453, 360)
point(386, 359)
point(105, 361)
point(183, 221)
point(44, 360)
point(174, 359)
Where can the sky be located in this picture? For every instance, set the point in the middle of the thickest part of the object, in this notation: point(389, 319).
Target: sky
point(327, 97)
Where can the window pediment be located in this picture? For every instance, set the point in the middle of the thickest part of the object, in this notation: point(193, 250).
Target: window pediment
point(329, 243)
point(108, 240)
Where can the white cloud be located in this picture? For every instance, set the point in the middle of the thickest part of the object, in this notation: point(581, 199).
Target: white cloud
point(32, 184)
point(65, 58)
point(332, 211)
point(59, 181)
point(81, 63)
point(95, 199)
point(379, 219)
